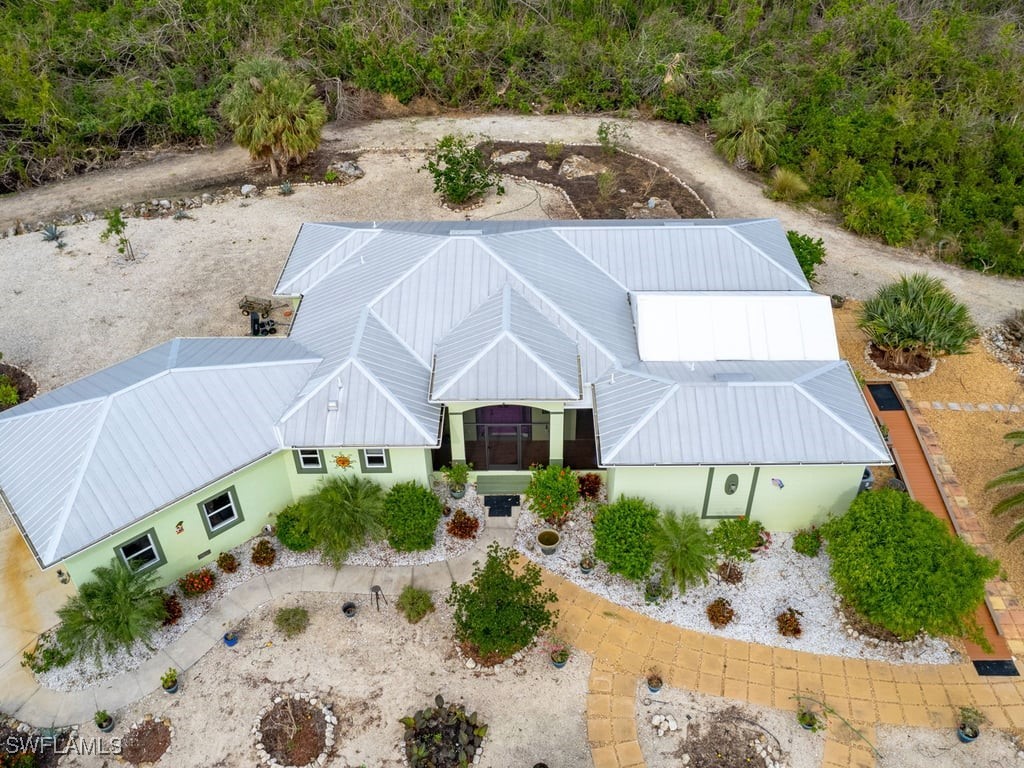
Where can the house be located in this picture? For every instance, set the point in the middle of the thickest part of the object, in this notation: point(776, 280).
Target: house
point(687, 361)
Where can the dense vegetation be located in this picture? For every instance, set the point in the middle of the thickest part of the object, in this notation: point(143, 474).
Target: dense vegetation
point(905, 116)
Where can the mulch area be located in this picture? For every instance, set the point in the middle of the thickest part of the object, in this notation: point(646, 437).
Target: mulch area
point(21, 380)
point(146, 742)
point(727, 739)
point(47, 753)
point(294, 732)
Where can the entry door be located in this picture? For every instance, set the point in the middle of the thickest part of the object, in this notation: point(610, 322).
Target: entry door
point(504, 450)
point(730, 491)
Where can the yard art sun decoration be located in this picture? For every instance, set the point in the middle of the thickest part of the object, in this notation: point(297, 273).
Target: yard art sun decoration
point(342, 460)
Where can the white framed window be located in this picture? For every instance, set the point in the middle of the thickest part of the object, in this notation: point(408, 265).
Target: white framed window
point(142, 552)
point(309, 460)
point(220, 512)
point(375, 460)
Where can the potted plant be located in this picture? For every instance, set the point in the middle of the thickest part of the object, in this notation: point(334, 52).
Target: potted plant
point(349, 609)
point(559, 652)
point(809, 719)
point(654, 681)
point(969, 721)
point(548, 541)
point(587, 563)
point(456, 475)
point(104, 720)
point(169, 680)
point(230, 638)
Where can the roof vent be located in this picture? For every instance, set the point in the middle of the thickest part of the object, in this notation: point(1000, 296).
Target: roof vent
point(728, 376)
point(332, 405)
point(465, 232)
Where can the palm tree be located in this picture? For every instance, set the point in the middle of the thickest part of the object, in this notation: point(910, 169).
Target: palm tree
point(342, 515)
point(1012, 477)
point(749, 128)
point(917, 315)
point(119, 606)
point(683, 549)
point(274, 112)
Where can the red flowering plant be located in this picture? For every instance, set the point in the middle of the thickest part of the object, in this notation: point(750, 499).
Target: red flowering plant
point(553, 492)
point(197, 582)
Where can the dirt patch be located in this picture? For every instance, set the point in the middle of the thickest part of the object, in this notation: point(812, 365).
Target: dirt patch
point(294, 732)
point(908, 364)
point(928, 748)
point(146, 742)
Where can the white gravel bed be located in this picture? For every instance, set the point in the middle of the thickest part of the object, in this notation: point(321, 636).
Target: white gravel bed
point(776, 579)
point(82, 673)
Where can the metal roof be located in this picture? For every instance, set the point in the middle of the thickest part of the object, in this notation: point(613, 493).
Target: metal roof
point(741, 412)
point(140, 436)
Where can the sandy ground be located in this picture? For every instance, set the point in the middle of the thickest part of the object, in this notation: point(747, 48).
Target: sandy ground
point(373, 669)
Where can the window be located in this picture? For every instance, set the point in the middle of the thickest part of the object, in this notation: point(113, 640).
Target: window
point(309, 460)
point(375, 460)
point(142, 553)
point(220, 512)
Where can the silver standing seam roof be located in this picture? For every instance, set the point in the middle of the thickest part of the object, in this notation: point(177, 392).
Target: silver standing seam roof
point(397, 319)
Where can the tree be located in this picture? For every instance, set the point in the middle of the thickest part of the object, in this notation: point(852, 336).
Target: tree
point(749, 128)
point(119, 606)
point(459, 170)
point(622, 536)
point(917, 315)
point(682, 548)
point(1011, 477)
point(809, 252)
point(342, 515)
point(117, 226)
point(274, 112)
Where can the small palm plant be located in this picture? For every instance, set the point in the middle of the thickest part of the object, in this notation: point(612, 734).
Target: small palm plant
point(683, 548)
point(342, 515)
point(119, 606)
point(917, 315)
point(749, 128)
point(1014, 478)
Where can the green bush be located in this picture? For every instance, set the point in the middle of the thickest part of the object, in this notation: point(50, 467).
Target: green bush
point(553, 493)
point(459, 170)
point(898, 566)
point(9, 396)
point(414, 603)
point(292, 531)
point(499, 611)
point(749, 128)
point(291, 621)
point(46, 655)
point(878, 208)
point(807, 542)
point(736, 537)
point(1014, 478)
point(623, 536)
point(342, 515)
point(682, 549)
point(411, 515)
point(809, 252)
point(787, 185)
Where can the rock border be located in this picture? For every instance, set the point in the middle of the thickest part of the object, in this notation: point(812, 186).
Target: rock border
point(330, 721)
point(147, 718)
point(905, 376)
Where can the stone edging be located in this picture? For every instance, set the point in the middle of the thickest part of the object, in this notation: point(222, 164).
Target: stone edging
point(873, 364)
point(330, 722)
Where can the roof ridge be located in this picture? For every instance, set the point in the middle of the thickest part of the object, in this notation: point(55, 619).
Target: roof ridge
point(670, 390)
point(832, 414)
point(522, 345)
point(392, 399)
point(300, 402)
point(473, 360)
point(320, 259)
point(765, 256)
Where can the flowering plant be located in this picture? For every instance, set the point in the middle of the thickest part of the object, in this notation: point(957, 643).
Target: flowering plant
point(197, 582)
point(553, 493)
point(557, 649)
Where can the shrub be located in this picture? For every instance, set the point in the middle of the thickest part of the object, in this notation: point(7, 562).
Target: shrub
point(735, 538)
point(172, 610)
point(807, 542)
point(46, 655)
point(590, 485)
point(610, 136)
point(227, 562)
point(292, 531)
point(553, 493)
point(720, 612)
point(411, 514)
point(414, 603)
point(917, 315)
point(459, 170)
point(749, 128)
point(787, 185)
point(116, 608)
point(291, 621)
point(442, 735)
point(622, 536)
point(878, 208)
point(499, 611)
point(9, 396)
point(51, 234)
point(899, 567)
point(197, 583)
point(462, 525)
point(682, 549)
point(342, 515)
point(1014, 478)
point(809, 252)
point(788, 623)
point(457, 475)
point(263, 553)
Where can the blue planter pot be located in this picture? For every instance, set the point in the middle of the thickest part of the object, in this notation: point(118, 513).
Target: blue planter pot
point(172, 689)
point(966, 737)
point(230, 639)
point(559, 664)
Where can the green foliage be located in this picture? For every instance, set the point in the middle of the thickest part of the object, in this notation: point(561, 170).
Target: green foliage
point(51, 234)
point(611, 136)
point(291, 621)
point(117, 227)
point(878, 208)
point(682, 549)
point(286, 189)
point(342, 515)
point(787, 185)
point(499, 611)
point(459, 170)
point(552, 493)
point(169, 678)
point(1015, 479)
point(442, 736)
point(9, 396)
point(897, 565)
point(807, 542)
point(111, 611)
point(274, 112)
point(292, 530)
point(623, 536)
point(46, 655)
point(735, 538)
point(917, 315)
point(457, 474)
point(749, 128)
point(809, 252)
point(411, 514)
point(414, 603)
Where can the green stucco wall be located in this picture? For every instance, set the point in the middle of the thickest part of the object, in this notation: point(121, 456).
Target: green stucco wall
point(404, 464)
point(807, 496)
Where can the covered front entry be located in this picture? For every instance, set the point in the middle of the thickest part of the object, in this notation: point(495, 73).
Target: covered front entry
point(507, 437)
